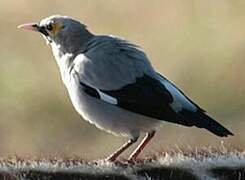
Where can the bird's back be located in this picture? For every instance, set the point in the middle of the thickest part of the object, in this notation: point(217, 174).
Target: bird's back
point(110, 63)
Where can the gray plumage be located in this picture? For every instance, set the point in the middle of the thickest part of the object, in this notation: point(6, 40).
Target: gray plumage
point(109, 63)
point(113, 85)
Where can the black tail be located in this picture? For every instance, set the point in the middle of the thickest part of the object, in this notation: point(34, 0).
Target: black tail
point(201, 120)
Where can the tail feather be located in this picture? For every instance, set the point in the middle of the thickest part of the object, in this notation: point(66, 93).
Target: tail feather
point(202, 120)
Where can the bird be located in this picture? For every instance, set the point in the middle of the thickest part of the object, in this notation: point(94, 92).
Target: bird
point(113, 85)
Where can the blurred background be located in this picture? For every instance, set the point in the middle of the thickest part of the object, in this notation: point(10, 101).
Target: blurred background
point(199, 45)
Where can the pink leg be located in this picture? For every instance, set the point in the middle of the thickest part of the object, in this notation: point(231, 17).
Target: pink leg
point(125, 146)
point(141, 146)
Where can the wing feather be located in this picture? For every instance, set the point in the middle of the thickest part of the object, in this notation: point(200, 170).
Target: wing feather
point(110, 63)
point(119, 73)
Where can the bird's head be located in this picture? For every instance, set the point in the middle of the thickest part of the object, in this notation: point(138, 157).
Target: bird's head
point(64, 31)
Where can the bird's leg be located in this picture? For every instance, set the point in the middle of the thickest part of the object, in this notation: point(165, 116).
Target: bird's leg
point(141, 146)
point(125, 146)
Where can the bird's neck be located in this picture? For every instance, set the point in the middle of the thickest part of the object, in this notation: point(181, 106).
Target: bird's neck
point(66, 51)
point(72, 44)
point(63, 60)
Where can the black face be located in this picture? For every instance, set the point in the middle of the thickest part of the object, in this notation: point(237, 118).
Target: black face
point(41, 29)
point(44, 29)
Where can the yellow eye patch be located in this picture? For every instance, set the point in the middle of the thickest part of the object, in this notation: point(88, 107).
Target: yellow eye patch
point(57, 27)
point(54, 27)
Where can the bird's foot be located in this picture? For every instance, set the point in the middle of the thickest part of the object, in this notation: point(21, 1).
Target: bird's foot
point(128, 161)
point(111, 158)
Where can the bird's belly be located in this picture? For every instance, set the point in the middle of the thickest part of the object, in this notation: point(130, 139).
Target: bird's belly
point(108, 117)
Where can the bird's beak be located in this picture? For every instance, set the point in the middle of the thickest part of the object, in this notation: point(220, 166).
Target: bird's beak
point(36, 28)
point(30, 27)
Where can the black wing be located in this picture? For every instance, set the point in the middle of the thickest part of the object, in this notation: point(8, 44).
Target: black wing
point(147, 96)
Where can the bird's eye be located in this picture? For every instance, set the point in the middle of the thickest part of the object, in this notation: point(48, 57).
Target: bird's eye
point(49, 27)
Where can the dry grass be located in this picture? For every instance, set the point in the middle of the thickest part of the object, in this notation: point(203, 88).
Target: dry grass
point(180, 164)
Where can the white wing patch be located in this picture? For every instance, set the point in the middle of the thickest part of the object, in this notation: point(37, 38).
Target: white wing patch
point(180, 101)
point(107, 98)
